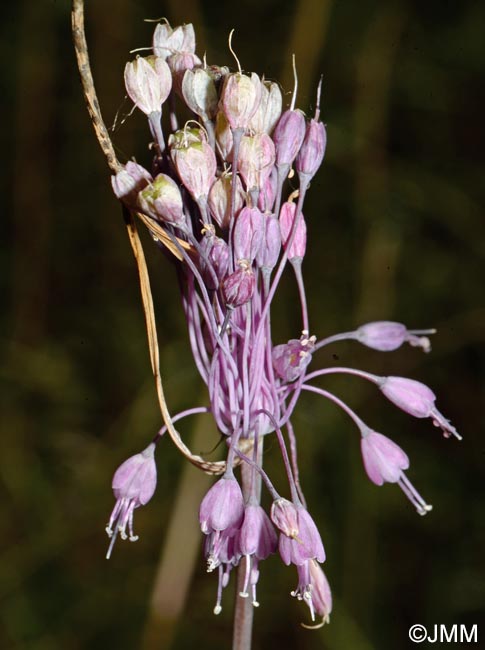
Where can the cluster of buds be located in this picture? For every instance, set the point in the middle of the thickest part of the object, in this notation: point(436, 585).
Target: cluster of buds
point(217, 186)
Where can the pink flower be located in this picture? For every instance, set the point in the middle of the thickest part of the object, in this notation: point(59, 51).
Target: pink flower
point(418, 400)
point(384, 462)
point(134, 484)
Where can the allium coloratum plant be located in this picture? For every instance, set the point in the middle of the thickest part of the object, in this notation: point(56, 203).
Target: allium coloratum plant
point(224, 197)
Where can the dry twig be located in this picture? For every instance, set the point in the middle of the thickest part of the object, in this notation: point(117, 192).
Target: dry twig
point(81, 49)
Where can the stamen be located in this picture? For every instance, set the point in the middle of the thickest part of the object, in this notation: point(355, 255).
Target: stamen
point(413, 495)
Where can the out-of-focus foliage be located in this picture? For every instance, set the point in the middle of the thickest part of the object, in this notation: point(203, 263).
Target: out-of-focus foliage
point(396, 232)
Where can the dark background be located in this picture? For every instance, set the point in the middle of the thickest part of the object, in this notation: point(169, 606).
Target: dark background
point(396, 229)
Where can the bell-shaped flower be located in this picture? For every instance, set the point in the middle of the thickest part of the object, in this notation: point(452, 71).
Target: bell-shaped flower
point(133, 484)
point(418, 400)
point(256, 540)
point(385, 462)
point(313, 589)
point(305, 545)
point(222, 508)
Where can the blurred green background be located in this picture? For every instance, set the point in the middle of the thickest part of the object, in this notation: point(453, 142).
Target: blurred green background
point(396, 232)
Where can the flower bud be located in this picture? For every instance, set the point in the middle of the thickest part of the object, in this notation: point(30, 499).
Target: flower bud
point(256, 160)
point(128, 182)
point(248, 234)
point(288, 136)
point(199, 92)
point(296, 250)
point(269, 109)
point(312, 150)
point(194, 161)
point(148, 83)
point(240, 98)
point(162, 200)
point(238, 288)
point(220, 199)
point(271, 245)
point(167, 41)
point(388, 335)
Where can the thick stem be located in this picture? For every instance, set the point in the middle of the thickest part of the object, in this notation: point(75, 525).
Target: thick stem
point(244, 610)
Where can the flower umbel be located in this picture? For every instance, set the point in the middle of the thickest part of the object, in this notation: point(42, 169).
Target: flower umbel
point(225, 194)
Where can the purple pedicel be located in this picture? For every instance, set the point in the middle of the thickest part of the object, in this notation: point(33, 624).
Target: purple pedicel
point(418, 400)
point(133, 484)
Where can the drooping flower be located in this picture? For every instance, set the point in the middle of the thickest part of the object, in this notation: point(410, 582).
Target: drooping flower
point(385, 462)
point(388, 335)
point(134, 484)
point(418, 400)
